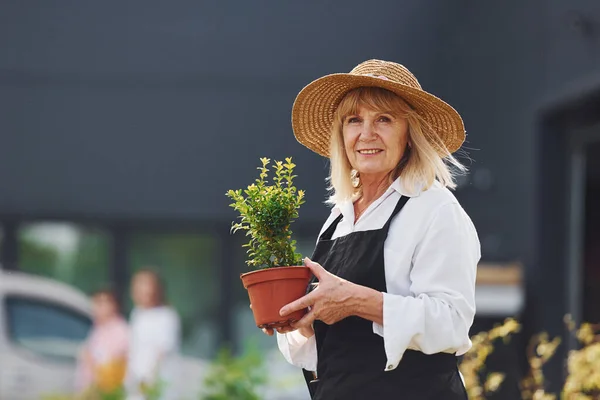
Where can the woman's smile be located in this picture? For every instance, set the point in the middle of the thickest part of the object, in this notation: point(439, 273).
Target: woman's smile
point(370, 152)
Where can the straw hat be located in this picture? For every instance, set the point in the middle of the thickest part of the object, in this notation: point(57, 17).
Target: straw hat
point(313, 109)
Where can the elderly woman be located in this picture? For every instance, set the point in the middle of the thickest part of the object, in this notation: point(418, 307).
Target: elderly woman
point(396, 260)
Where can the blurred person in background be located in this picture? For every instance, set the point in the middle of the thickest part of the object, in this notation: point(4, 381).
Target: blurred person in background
point(396, 260)
point(103, 359)
point(155, 339)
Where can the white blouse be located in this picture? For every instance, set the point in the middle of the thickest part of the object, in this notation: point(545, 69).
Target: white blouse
point(154, 350)
point(430, 255)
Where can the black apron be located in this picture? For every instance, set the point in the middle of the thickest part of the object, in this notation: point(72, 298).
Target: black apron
point(351, 357)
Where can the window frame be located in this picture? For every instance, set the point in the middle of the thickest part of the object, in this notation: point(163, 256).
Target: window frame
point(83, 228)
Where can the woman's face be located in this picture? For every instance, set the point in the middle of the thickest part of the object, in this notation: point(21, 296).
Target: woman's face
point(144, 291)
point(104, 307)
point(375, 141)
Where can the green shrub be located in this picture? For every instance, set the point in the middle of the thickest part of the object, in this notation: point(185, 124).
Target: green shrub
point(266, 213)
point(238, 378)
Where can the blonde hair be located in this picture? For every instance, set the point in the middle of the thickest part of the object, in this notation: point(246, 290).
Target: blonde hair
point(426, 160)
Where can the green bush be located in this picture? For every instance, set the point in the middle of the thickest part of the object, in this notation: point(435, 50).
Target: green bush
point(238, 378)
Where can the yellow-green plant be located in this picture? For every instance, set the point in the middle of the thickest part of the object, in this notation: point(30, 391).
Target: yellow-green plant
point(472, 365)
point(583, 380)
point(583, 375)
point(539, 352)
point(267, 209)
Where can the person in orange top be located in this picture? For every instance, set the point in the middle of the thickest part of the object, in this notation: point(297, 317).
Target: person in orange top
point(103, 359)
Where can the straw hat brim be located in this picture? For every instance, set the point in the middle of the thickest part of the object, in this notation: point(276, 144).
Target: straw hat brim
point(314, 107)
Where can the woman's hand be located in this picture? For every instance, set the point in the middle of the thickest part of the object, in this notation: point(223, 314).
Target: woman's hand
point(333, 300)
point(304, 331)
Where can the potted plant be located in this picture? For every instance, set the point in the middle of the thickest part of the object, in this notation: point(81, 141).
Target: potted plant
point(267, 209)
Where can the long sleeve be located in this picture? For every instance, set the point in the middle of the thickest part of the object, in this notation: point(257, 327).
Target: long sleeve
point(298, 350)
point(167, 337)
point(440, 309)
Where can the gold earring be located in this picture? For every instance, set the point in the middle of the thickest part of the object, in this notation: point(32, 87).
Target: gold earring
point(355, 177)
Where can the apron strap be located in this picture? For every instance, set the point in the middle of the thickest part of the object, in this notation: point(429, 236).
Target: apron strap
point(311, 381)
point(331, 229)
point(403, 200)
point(328, 233)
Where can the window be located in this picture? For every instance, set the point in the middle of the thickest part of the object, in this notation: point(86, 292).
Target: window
point(45, 328)
point(71, 253)
point(186, 262)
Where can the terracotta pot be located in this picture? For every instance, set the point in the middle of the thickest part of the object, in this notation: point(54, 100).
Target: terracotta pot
point(272, 288)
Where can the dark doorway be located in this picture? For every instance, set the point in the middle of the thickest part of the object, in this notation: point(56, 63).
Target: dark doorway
point(591, 235)
point(568, 149)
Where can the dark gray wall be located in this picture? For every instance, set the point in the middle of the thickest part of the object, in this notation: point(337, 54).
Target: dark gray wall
point(154, 109)
point(505, 61)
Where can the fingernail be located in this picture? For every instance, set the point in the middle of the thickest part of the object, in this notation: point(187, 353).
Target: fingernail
point(282, 311)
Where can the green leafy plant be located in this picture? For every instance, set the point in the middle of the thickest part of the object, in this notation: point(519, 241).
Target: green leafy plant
point(117, 394)
point(92, 394)
point(267, 209)
point(233, 377)
point(150, 392)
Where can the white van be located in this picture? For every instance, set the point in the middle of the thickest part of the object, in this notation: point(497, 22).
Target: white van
point(43, 323)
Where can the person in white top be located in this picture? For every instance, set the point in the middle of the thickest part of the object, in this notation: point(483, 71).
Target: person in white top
point(396, 260)
point(155, 340)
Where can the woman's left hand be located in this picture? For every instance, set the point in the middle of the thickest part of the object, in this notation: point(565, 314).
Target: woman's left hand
point(331, 301)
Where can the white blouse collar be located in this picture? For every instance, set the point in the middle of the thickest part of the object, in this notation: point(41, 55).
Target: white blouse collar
point(346, 207)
